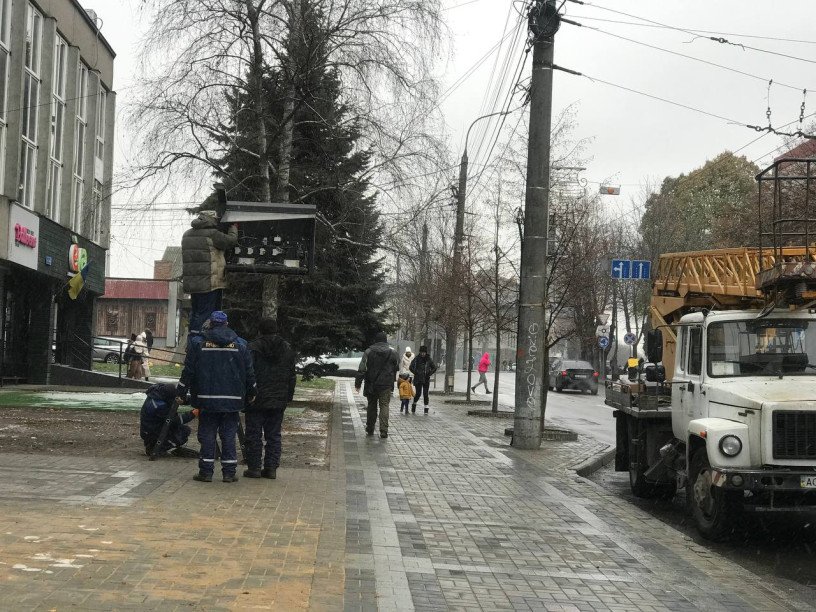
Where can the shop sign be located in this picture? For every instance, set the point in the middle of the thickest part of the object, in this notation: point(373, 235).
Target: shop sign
point(23, 239)
point(77, 258)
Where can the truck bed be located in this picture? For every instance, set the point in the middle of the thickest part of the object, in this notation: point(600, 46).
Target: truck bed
point(637, 400)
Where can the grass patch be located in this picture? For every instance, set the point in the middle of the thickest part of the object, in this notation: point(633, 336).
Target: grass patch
point(323, 384)
point(163, 370)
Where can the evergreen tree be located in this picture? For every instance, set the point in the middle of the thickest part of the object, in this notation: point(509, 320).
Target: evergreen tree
point(339, 306)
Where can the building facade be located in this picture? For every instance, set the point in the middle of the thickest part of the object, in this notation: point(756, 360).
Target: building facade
point(57, 109)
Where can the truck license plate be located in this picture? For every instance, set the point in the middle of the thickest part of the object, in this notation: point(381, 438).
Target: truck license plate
point(807, 482)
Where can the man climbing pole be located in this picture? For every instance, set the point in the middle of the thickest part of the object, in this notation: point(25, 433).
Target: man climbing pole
point(203, 265)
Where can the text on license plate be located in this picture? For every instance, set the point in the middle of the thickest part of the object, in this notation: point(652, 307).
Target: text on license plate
point(580, 375)
point(807, 482)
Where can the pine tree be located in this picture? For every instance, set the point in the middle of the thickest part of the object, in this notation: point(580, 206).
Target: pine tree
point(339, 306)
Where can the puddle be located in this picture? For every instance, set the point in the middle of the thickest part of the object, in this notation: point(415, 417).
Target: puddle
point(75, 401)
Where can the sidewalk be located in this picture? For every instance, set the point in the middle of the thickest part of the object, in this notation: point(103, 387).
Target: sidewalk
point(442, 515)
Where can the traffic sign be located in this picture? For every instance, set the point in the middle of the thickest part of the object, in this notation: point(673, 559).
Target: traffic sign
point(603, 342)
point(610, 190)
point(629, 338)
point(642, 269)
point(637, 269)
point(621, 268)
point(601, 330)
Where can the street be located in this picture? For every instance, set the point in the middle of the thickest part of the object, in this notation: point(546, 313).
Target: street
point(580, 412)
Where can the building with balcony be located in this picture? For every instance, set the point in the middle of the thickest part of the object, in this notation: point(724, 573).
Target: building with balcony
point(57, 108)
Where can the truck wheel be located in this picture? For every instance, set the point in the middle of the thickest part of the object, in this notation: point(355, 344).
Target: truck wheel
point(713, 508)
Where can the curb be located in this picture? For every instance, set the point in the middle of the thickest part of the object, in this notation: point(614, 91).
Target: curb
point(590, 466)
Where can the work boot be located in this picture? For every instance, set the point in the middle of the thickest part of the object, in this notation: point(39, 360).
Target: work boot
point(202, 477)
point(384, 434)
point(230, 478)
point(270, 472)
point(252, 473)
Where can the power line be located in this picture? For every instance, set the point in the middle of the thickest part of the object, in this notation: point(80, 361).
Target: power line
point(456, 6)
point(652, 25)
point(719, 40)
point(690, 57)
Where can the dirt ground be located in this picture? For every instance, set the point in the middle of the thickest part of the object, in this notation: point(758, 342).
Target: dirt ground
point(116, 433)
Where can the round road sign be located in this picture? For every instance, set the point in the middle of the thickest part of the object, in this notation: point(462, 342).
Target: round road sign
point(630, 338)
point(603, 342)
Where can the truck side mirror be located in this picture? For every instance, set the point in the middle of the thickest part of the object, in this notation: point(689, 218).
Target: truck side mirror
point(654, 346)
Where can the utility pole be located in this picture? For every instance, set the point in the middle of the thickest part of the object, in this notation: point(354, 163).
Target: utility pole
point(452, 329)
point(544, 22)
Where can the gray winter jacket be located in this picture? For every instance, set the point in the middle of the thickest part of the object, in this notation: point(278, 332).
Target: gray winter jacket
point(378, 369)
point(202, 252)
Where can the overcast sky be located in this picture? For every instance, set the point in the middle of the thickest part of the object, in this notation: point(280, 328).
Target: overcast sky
point(633, 138)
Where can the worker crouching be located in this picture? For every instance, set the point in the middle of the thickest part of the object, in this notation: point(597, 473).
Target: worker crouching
point(154, 413)
point(220, 378)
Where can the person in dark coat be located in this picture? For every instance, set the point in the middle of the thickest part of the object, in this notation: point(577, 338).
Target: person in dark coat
point(204, 265)
point(220, 379)
point(378, 370)
point(274, 362)
point(422, 367)
point(160, 398)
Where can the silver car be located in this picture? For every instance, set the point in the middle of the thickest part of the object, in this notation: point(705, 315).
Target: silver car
point(108, 349)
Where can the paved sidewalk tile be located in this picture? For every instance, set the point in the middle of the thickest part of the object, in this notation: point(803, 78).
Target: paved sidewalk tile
point(443, 515)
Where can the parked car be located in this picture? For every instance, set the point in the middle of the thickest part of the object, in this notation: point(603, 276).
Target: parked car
point(107, 349)
point(347, 363)
point(569, 374)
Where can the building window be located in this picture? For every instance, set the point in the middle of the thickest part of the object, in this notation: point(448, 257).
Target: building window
point(92, 214)
point(101, 108)
point(30, 111)
point(81, 130)
point(5, 35)
point(57, 129)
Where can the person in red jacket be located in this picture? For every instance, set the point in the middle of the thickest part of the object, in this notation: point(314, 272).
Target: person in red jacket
point(484, 365)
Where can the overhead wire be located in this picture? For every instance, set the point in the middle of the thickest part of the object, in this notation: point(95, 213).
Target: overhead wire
point(719, 40)
point(654, 25)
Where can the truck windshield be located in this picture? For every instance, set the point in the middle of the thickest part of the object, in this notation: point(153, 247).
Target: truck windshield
point(767, 347)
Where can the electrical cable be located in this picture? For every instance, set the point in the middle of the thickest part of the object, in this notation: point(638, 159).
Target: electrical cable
point(649, 25)
point(696, 35)
point(690, 57)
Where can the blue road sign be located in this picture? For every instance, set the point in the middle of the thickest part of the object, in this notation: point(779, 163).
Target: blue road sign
point(621, 268)
point(642, 269)
point(630, 338)
point(603, 342)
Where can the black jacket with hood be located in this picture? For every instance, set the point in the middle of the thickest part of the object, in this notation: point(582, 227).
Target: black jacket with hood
point(274, 363)
point(422, 368)
point(378, 368)
point(202, 254)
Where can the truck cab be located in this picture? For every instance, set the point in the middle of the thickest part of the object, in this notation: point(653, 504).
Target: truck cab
point(748, 379)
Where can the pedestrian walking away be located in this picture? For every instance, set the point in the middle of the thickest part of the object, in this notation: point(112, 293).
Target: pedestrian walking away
point(377, 372)
point(141, 342)
point(204, 266)
point(484, 365)
point(220, 379)
point(405, 362)
point(406, 392)
point(274, 362)
point(422, 367)
point(137, 358)
point(154, 412)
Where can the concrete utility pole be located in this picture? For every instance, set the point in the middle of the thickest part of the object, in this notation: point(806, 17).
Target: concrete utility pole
point(544, 22)
point(452, 330)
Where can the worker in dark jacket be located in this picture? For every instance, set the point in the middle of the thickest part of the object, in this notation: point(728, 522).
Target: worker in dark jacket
point(422, 367)
point(274, 363)
point(204, 266)
point(220, 379)
point(154, 412)
point(378, 370)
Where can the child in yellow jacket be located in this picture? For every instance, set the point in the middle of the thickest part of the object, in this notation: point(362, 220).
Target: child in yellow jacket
point(406, 392)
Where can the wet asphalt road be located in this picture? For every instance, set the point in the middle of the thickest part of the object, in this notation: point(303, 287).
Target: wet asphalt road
point(782, 544)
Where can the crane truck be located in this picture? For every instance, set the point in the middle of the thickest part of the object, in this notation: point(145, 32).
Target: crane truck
point(725, 406)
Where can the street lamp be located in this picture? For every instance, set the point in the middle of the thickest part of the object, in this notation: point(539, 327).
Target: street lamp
point(453, 331)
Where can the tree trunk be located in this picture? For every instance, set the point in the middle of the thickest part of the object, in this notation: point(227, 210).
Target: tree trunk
point(470, 363)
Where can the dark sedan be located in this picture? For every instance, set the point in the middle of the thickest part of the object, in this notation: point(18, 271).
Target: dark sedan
point(579, 375)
